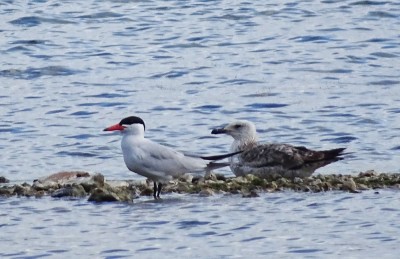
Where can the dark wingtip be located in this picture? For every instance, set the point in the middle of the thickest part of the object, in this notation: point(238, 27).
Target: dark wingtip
point(340, 150)
point(336, 153)
point(218, 131)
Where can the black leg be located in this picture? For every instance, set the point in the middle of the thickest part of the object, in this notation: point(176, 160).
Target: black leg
point(159, 190)
point(155, 190)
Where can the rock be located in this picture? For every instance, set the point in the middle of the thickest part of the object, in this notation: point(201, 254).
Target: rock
point(206, 192)
point(4, 180)
point(233, 187)
point(260, 182)
point(63, 192)
point(368, 173)
point(45, 186)
point(210, 176)
point(25, 184)
point(186, 178)
point(100, 191)
point(169, 187)
point(197, 179)
point(209, 182)
point(249, 194)
point(96, 181)
point(220, 177)
point(117, 194)
point(63, 177)
point(234, 191)
point(320, 176)
point(317, 185)
point(6, 191)
point(250, 177)
point(119, 183)
point(239, 180)
point(216, 185)
point(272, 186)
point(326, 186)
point(350, 185)
point(362, 187)
point(298, 180)
point(126, 194)
point(146, 191)
point(282, 182)
point(23, 190)
point(75, 190)
point(317, 182)
point(103, 195)
point(40, 194)
point(99, 179)
point(183, 187)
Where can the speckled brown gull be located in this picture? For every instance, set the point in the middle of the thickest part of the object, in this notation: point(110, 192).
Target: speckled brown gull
point(265, 160)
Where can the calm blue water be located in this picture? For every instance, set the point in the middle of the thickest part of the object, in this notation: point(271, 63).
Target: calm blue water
point(323, 74)
point(278, 225)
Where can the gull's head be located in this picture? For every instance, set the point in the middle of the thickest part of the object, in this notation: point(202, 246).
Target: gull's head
point(129, 125)
point(239, 130)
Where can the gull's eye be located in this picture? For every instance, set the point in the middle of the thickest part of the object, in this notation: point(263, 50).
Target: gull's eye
point(237, 126)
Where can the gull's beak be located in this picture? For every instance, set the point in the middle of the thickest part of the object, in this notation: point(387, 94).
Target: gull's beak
point(115, 127)
point(219, 131)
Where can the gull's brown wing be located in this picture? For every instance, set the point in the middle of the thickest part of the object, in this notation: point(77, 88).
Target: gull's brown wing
point(286, 156)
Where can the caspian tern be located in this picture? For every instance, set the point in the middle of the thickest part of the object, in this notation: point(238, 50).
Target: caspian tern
point(157, 162)
point(265, 160)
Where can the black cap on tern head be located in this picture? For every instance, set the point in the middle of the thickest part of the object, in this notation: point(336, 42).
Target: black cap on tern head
point(132, 120)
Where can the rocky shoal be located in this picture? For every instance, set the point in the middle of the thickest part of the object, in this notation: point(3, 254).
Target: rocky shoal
point(96, 188)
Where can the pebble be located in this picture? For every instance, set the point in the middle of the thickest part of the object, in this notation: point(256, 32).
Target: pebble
point(206, 192)
point(250, 194)
point(4, 180)
point(350, 185)
point(75, 190)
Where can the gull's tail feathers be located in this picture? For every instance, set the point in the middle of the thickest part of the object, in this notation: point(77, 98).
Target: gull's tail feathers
point(317, 159)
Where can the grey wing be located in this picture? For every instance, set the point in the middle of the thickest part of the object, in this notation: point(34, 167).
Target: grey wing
point(266, 155)
point(165, 159)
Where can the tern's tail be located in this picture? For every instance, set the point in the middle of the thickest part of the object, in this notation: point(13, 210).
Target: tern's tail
point(212, 166)
point(219, 157)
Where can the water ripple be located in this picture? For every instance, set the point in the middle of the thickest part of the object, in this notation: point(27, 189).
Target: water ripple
point(191, 224)
point(75, 154)
point(32, 73)
point(30, 21)
point(368, 2)
point(382, 14)
point(240, 82)
point(266, 105)
point(101, 15)
point(316, 39)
